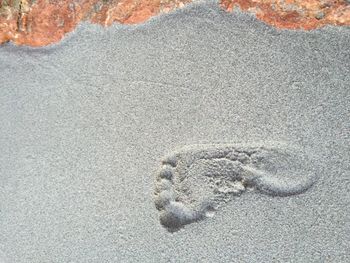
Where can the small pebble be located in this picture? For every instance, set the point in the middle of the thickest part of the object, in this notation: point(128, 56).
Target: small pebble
point(319, 15)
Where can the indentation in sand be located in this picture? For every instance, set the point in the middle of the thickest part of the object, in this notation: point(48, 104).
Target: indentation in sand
point(194, 182)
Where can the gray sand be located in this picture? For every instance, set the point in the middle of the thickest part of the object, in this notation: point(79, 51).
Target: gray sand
point(85, 124)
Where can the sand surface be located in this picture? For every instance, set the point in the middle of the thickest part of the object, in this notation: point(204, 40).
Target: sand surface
point(85, 124)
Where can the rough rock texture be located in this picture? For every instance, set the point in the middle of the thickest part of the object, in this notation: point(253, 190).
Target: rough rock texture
point(296, 14)
point(42, 22)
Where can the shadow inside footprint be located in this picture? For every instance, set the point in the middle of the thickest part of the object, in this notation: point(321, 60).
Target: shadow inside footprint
point(195, 181)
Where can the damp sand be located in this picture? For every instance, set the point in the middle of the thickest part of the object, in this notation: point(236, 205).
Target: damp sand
point(86, 123)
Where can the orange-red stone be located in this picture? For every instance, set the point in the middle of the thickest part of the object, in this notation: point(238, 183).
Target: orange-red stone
point(42, 22)
point(296, 14)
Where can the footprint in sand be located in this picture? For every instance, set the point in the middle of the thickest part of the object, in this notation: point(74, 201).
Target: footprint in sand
point(197, 180)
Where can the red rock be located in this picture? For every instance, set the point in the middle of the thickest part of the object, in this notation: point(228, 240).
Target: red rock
point(296, 14)
point(42, 22)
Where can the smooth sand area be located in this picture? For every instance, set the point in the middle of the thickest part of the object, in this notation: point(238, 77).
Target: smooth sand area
point(85, 125)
